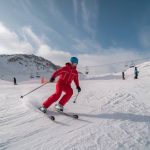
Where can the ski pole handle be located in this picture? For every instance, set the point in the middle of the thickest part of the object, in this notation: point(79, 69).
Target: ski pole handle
point(34, 89)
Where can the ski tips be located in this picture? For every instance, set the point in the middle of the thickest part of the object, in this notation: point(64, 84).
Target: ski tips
point(21, 96)
point(52, 118)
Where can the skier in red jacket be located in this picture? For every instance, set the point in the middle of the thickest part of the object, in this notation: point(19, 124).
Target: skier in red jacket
point(66, 74)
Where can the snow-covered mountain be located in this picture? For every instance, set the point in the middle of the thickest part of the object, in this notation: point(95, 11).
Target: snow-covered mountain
point(24, 66)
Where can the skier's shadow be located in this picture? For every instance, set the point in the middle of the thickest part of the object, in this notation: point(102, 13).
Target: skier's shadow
point(120, 116)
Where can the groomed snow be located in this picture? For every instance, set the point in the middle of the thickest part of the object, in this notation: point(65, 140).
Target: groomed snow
point(114, 114)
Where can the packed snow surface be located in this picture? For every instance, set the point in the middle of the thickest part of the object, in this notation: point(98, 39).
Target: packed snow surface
point(113, 114)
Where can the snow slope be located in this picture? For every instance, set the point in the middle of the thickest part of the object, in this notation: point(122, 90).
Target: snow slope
point(114, 115)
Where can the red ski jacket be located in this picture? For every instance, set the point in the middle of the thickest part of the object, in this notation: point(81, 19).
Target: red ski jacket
point(67, 74)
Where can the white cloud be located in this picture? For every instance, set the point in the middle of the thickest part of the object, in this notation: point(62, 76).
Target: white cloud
point(11, 43)
point(57, 56)
point(114, 55)
point(98, 56)
point(30, 35)
point(30, 43)
point(112, 60)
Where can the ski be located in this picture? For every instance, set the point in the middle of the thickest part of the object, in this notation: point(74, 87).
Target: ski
point(49, 116)
point(75, 116)
point(52, 118)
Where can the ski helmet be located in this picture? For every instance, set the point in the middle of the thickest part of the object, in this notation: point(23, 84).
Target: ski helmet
point(74, 60)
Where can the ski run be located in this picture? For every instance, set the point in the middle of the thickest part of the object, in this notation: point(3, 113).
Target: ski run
point(114, 114)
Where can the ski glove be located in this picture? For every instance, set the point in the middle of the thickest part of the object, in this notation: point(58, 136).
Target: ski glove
point(52, 79)
point(79, 89)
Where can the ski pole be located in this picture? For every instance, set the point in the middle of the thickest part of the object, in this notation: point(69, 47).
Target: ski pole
point(76, 98)
point(34, 89)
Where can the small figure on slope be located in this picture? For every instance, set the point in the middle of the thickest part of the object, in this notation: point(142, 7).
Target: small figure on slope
point(136, 73)
point(123, 75)
point(66, 74)
point(15, 82)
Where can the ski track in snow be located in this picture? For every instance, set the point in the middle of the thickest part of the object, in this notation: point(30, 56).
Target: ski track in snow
point(114, 114)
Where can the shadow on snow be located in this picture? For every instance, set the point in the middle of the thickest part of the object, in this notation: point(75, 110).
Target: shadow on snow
point(120, 116)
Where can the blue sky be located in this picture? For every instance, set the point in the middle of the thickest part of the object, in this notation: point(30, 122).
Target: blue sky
point(96, 31)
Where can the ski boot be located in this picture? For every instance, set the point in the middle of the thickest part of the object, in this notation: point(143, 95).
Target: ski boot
point(59, 107)
point(43, 109)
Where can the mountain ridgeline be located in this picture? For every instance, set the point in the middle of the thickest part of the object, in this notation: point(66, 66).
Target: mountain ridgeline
point(25, 66)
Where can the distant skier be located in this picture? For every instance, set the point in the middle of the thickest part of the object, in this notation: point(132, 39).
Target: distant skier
point(66, 74)
point(136, 73)
point(15, 82)
point(123, 75)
